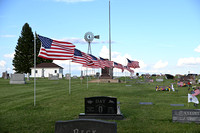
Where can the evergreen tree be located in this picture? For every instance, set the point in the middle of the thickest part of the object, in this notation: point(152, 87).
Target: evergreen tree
point(24, 51)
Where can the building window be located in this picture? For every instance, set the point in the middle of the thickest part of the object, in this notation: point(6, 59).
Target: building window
point(55, 71)
point(36, 71)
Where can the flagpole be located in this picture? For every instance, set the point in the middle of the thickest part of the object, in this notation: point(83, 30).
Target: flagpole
point(111, 70)
point(35, 69)
point(69, 78)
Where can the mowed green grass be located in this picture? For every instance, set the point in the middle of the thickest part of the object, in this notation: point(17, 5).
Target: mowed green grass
point(53, 103)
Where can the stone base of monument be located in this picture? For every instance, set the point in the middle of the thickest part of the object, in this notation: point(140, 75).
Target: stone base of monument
point(105, 81)
point(101, 116)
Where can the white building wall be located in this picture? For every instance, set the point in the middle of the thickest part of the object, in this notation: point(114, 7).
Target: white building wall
point(47, 71)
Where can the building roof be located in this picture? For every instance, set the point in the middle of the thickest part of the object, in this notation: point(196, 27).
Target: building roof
point(48, 65)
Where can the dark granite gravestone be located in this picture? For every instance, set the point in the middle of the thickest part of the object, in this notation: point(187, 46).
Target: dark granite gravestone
point(101, 108)
point(85, 126)
point(17, 79)
point(105, 73)
point(101, 105)
point(186, 115)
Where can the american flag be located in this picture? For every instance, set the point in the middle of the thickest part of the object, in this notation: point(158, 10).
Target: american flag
point(55, 50)
point(120, 66)
point(96, 62)
point(106, 62)
point(133, 64)
point(196, 92)
point(128, 68)
point(82, 58)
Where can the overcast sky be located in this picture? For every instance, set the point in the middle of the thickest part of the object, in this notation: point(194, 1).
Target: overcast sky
point(163, 35)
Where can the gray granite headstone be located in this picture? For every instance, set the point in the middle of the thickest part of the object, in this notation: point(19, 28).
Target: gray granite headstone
point(186, 115)
point(75, 77)
point(5, 75)
point(54, 77)
point(67, 76)
point(85, 126)
point(17, 79)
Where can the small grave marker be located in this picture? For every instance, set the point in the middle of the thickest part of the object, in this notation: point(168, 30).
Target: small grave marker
point(128, 85)
point(146, 103)
point(54, 77)
point(177, 104)
point(67, 76)
point(159, 80)
point(85, 126)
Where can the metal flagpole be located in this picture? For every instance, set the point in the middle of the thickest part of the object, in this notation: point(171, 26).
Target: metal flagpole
point(69, 78)
point(111, 69)
point(35, 69)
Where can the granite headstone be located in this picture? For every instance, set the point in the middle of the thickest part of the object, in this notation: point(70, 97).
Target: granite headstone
point(85, 126)
point(17, 79)
point(101, 107)
point(67, 76)
point(186, 115)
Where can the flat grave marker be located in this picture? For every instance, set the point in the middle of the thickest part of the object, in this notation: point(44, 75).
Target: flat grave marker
point(85, 126)
point(176, 104)
point(159, 80)
point(146, 103)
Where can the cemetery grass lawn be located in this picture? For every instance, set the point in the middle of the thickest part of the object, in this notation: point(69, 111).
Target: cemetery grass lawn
point(53, 103)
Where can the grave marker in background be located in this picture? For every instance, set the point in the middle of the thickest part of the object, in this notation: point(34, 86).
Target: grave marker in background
point(159, 80)
point(17, 79)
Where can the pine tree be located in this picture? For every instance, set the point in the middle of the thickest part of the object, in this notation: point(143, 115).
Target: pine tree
point(24, 51)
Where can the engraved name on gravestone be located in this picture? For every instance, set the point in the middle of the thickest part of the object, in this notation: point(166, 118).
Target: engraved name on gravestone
point(85, 126)
point(17, 79)
point(101, 105)
point(186, 115)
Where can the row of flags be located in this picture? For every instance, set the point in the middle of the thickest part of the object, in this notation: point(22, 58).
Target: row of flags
point(59, 50)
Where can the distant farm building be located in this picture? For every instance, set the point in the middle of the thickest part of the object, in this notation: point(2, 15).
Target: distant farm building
point(46, 69)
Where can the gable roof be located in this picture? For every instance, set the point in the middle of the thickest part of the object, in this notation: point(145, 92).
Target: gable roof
point(48, 65)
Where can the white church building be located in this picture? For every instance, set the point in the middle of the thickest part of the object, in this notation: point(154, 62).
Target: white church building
point(45, 69)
